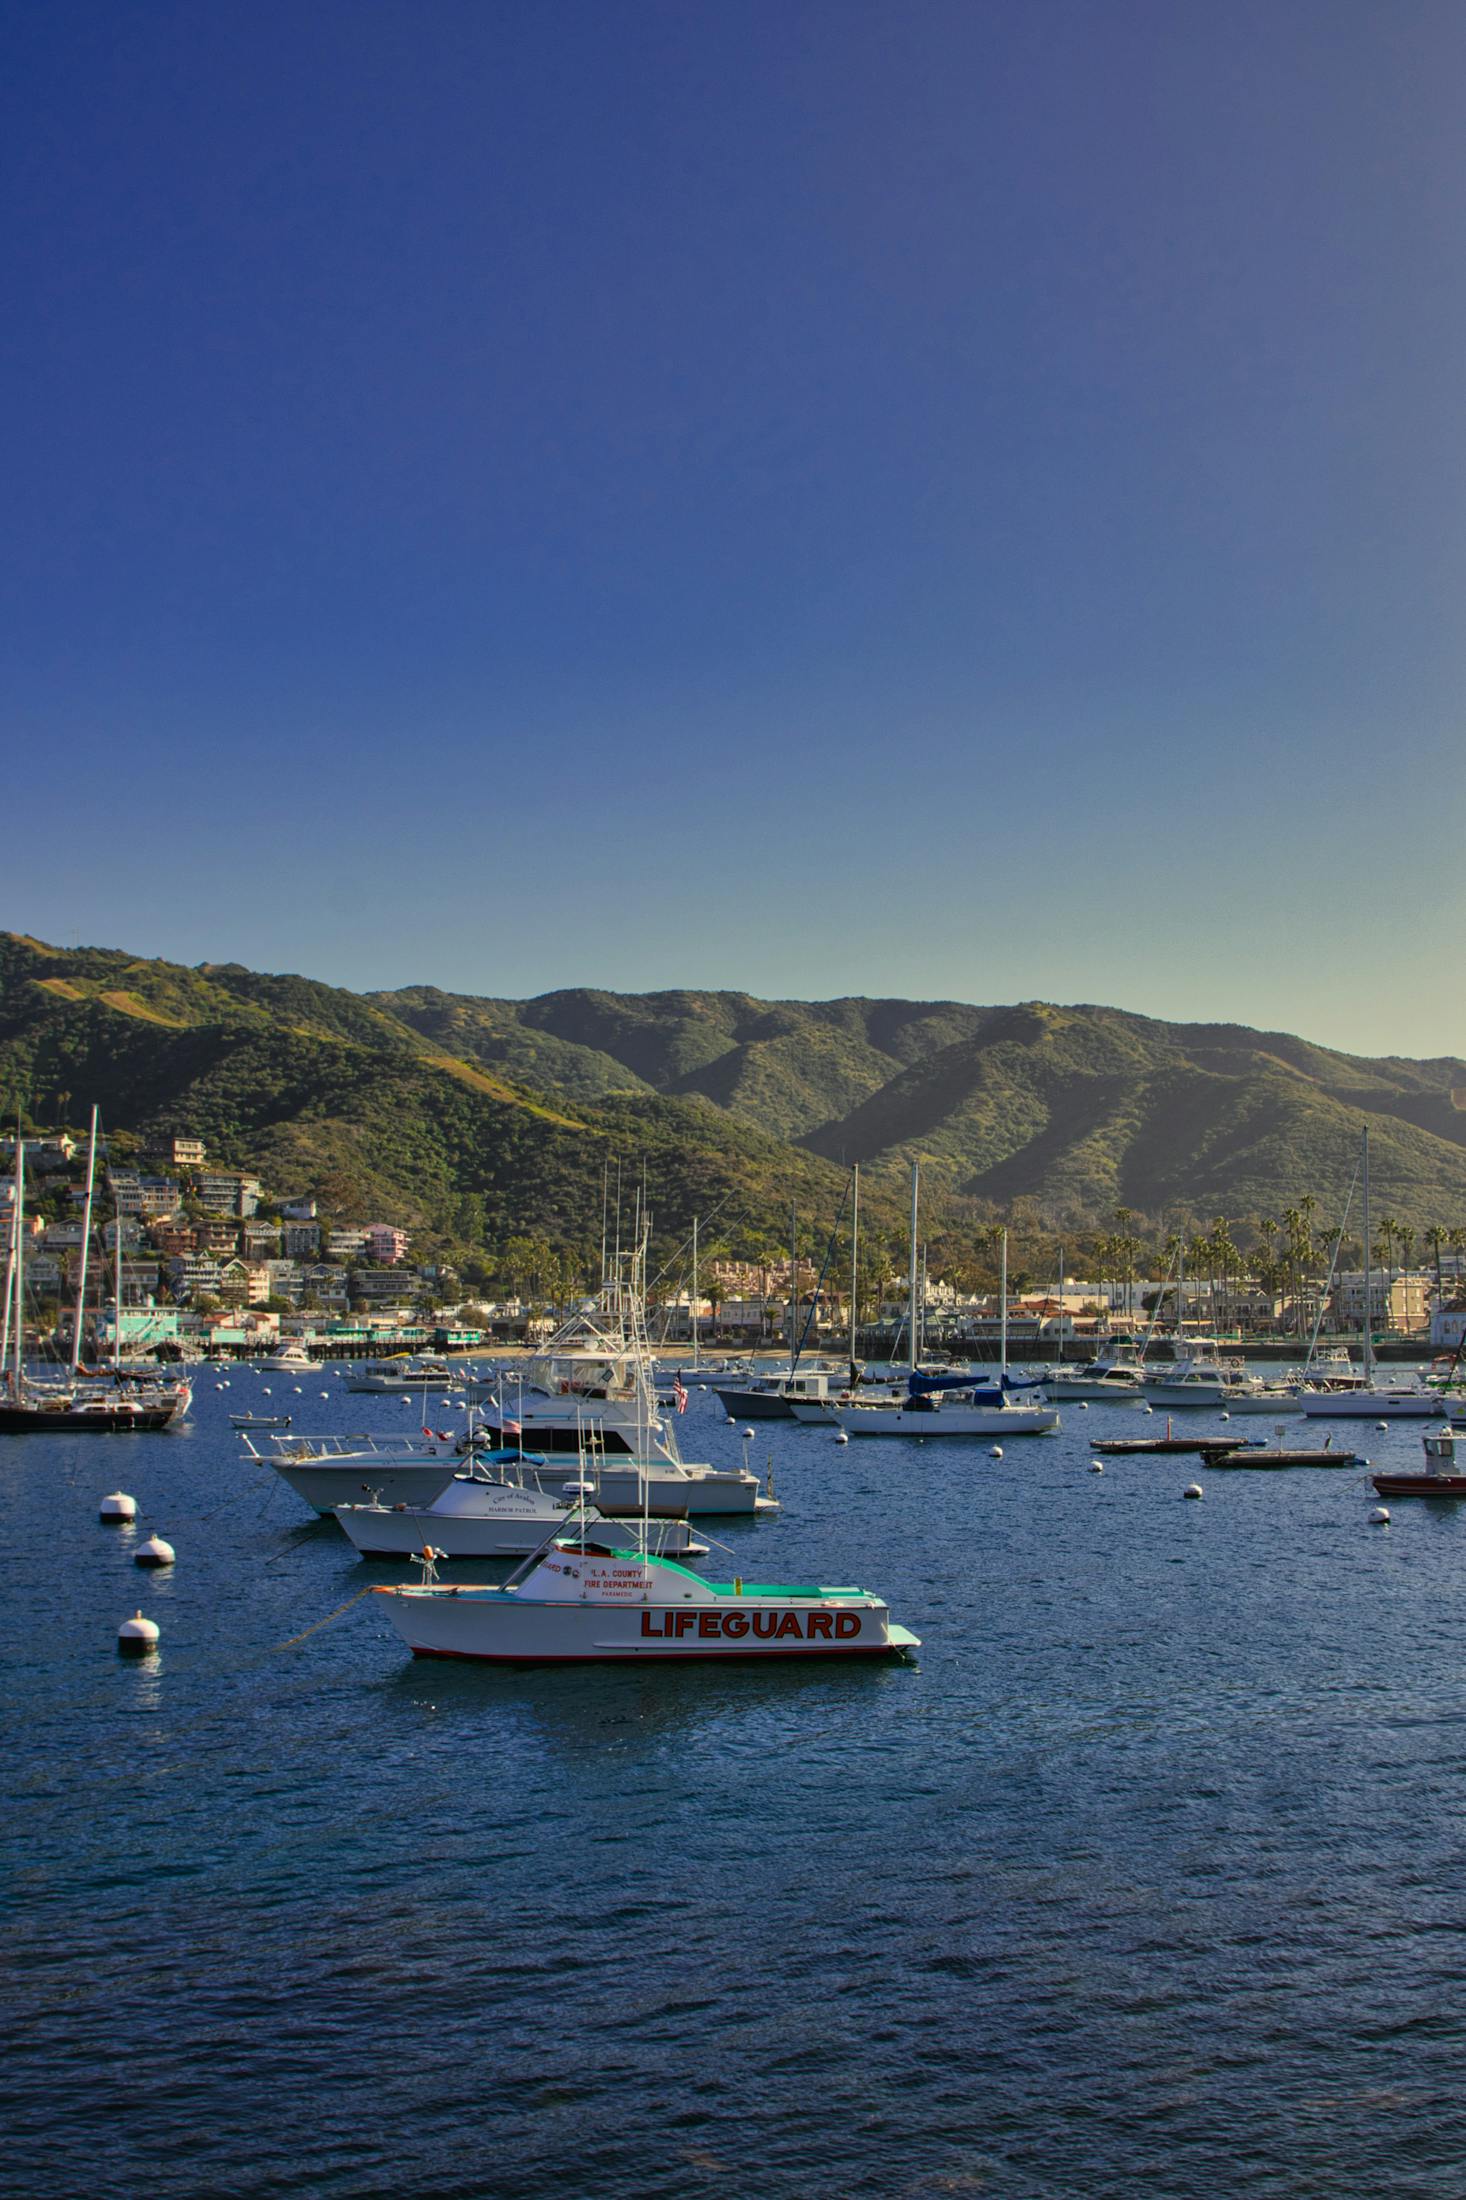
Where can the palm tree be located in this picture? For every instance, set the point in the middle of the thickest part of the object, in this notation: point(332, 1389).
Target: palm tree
point(1435, 1238)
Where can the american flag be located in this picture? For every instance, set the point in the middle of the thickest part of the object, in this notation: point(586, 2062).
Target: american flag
point(679, 1392)
point(510, 1428)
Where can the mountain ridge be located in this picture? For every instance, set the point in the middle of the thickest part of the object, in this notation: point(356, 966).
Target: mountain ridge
point(430, 1099)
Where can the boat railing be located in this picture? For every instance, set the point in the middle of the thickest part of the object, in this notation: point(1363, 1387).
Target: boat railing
point(298, 1450)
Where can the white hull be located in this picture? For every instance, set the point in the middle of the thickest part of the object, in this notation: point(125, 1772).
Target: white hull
point(1260, 1401)
point(946, 1420)
point(1208, 1396)
point(1374, 1405)
point(495, 1626)
point(1093, 1386)
point(326, 1483)
point(482, 1520)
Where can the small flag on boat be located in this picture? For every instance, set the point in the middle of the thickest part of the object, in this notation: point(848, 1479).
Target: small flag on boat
point(679, 1392)
point(510, 1428)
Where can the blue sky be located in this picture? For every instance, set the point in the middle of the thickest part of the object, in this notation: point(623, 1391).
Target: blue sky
point(944, 500)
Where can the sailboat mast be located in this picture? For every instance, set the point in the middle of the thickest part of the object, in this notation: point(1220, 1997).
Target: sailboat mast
point(1003, 1307)
point(854, 1265)
point(793, 1279)
point(1368, 1293)
point(17, 1334)
point(86, 1241)
point(10, 1275)
point(911, 1277)
point(696, 1354)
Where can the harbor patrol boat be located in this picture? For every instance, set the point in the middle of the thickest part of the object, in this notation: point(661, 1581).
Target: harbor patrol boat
point(586, 1597)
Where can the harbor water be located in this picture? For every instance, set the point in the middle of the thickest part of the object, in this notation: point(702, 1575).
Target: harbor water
point(1145, 1877)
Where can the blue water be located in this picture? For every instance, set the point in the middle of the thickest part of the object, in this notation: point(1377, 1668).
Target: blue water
point(1146, 1878)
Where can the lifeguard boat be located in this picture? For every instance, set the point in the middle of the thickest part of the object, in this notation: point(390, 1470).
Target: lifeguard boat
point(586, 1598)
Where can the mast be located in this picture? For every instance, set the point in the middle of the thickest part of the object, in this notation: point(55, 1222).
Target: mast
point(1003, 1308)
point(696, 1354)
point(117, 1325)
point(911, 1276)
point(1181, 1299)
point(10, 1275)
point(17, 1269)
point(793, 1280)
point(854, 1267)
point(86, 1240)
point(1368, 1295)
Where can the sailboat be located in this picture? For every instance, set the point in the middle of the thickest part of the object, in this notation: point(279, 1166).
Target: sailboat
point(1372, 1400)
point(31, 1407)
point(947, 1405)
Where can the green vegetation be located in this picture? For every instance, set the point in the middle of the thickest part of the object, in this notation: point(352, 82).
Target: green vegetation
point(475, 1121)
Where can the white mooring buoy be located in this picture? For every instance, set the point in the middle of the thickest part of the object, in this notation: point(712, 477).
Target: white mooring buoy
point(1380, 1517)
point(1226, 1416)
point(137, 1636)
point(730, 1422)
point(118, 1509)
point(1147, 1409)
point(1383, 1427)
point(1193, 1489)
point(155, 1552)
point(748, 1436)
point(996, 1452)
point(843, 1437)
point(1096, 1466)
point(1084, 1405)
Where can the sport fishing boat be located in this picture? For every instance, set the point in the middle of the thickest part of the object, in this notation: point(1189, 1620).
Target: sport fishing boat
point(1117, 1372)
point(402, 1374)
point(492, 1516)
point(776, 1396)
point(327, 1471)
point(289, 1359)
point(590, 1597)
point(1199, 1378)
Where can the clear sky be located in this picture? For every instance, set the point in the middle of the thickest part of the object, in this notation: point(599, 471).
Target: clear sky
point(940, 497)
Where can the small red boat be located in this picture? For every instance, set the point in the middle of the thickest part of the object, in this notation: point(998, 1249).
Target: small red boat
point(1440, 1479)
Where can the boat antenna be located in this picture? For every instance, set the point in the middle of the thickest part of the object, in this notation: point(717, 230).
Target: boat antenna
point(1368, 1278)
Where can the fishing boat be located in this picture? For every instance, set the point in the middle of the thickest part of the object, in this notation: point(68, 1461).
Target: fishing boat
point(1442, 1477)
point(402, 1374)
point(589, 1597)
point(1200, 1377)
point(492, 1516)
point(259, 1420)
point(1116, 1372)
point(289, 1359)
point(327, 1471)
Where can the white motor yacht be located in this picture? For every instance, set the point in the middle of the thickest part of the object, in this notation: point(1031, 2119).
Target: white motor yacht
point(290, 1359)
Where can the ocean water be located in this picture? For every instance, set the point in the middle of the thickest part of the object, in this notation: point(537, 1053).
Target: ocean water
point(1146, 1878)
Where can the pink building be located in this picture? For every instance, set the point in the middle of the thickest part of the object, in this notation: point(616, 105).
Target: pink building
point(384, 1243)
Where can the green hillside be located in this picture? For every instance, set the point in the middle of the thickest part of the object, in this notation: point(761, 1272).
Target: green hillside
point(467, 1114)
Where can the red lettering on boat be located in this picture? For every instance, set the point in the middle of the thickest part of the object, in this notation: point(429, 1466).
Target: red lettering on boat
point(819, 1624)
point(847, 1623)
point(707, 1623)
point(789, 1625)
